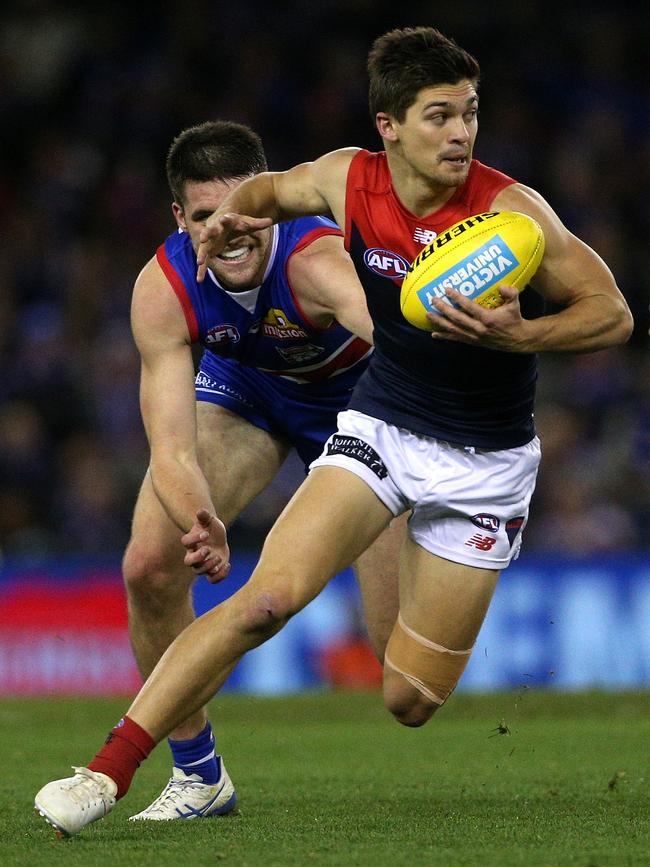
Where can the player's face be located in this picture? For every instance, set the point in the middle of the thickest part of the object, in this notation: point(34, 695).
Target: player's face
point(436, 138)
point(242, 264)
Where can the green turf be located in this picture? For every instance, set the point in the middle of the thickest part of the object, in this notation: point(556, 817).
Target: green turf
point(522, 778)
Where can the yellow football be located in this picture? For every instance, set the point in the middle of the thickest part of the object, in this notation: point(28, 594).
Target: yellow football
point(473, 257)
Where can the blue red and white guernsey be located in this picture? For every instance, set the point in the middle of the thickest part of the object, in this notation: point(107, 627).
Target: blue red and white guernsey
point(274, 335)
point(452, 391)
point(263, 359)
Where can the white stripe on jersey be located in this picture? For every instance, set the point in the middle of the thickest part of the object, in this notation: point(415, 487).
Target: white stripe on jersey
point(309, 368)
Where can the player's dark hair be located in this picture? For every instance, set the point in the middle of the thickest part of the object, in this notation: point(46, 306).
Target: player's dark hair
point(402, 62)
point(215, 150)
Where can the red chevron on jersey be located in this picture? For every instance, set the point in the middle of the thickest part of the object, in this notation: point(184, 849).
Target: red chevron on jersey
point(386, 225)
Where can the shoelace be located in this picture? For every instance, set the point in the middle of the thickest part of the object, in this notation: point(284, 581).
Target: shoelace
point(85, 792)
point(173, 792)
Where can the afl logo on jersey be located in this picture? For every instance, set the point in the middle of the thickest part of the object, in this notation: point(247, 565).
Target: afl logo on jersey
point(386, 263)
point(222, 335)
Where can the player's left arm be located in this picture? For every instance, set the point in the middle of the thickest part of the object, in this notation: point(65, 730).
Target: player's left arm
point(594, 314)
point(325, 283)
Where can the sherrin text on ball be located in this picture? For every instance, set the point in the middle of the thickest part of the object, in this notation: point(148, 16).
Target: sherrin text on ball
point(474, 256)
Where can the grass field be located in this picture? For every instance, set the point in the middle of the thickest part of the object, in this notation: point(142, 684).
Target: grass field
point(522, 778)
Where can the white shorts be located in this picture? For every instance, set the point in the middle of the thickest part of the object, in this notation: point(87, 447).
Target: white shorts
point(469, 505)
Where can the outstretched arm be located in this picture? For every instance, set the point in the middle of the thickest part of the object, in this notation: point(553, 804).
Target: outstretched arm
point(594, 314)
point(272, 197)
point(168, 406)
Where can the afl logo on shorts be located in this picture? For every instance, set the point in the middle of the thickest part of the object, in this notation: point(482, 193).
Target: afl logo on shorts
point(486, 522)
point(386, 263)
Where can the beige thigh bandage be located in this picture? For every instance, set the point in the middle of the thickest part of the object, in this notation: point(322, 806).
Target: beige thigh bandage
point(433, 670)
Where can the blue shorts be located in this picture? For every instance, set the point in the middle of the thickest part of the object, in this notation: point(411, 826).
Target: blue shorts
point(304, 414)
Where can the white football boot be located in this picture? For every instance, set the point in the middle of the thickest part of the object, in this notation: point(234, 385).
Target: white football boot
point(71, 804)
point(186, 796)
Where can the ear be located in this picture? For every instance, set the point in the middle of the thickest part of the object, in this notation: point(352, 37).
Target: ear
point(386, 126)
point(179, 216)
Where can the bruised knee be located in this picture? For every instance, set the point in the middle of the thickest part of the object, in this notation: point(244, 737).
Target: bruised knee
point(264, 612)
point(274, 593)
point(419, 675)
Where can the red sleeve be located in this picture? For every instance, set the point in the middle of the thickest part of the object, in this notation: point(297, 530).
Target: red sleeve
point(354, 172)
point(181, 292)
point(304, 242)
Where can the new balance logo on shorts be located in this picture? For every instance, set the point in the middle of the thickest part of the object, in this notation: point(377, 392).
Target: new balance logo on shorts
point(483, 543)
point(355, 448)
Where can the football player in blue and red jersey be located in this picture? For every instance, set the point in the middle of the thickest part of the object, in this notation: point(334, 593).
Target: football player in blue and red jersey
point(274, 318)
point(439, 424)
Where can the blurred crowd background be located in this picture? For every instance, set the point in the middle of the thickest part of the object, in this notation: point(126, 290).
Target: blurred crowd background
point(90, 99)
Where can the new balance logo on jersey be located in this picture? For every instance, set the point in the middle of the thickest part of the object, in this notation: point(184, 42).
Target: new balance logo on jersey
point(355, 448)
point(483, 543)
point(424, 236)
point(386, 263)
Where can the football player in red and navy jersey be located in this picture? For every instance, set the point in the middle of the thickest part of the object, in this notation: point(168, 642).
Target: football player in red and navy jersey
point(439, 424)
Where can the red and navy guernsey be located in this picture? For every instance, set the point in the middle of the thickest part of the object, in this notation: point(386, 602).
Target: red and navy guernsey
point(452, 391)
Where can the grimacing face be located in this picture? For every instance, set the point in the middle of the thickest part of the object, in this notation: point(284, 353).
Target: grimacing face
point(242, 264)
point(436, 138)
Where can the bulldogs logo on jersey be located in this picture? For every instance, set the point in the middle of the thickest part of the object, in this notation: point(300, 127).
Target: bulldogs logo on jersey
point(276, 323)
point(386, 263)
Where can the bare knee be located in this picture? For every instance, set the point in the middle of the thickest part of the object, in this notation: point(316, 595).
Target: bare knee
point(419, 675)
point(263, 612)
point(409, 706)
point(151, 580)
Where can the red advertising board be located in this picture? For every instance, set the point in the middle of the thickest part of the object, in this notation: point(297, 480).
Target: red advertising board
point(65, 637)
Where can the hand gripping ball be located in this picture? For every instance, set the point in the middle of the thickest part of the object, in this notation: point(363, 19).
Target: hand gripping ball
point(473, 257)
